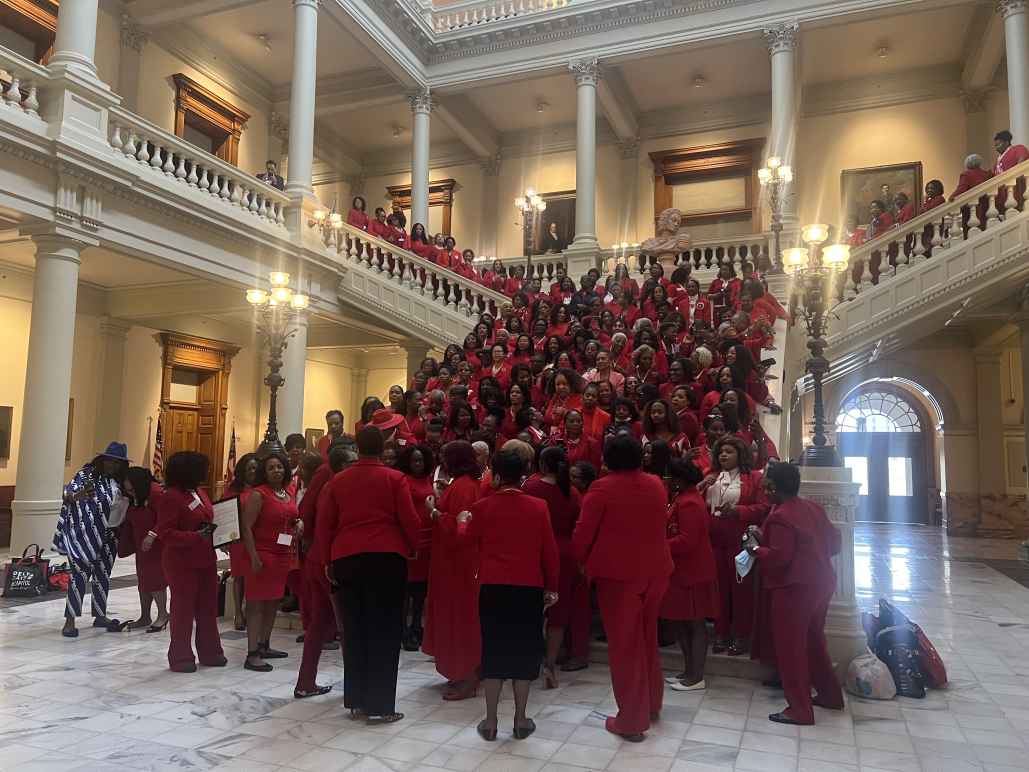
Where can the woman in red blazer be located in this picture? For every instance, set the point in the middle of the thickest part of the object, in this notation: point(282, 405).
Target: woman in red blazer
point(736, 499)
point(621, 539)
point(452, 633)
point(357, 216)
point(795, 549)
point(184, 517)
point(692, 596)
point(138, 535)
point(518, 579)
point(374, 531)
point(418, 463)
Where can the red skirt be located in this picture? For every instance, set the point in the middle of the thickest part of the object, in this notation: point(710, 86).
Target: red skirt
point(698, 601)
point(149, 571)
point(270, 584)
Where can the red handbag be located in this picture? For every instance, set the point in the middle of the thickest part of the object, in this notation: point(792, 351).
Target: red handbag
point(932, 664)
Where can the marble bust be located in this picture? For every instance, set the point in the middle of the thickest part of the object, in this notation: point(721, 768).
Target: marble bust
point(671, 238)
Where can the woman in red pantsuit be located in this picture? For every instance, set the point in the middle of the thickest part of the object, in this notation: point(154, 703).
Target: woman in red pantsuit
point(452, 635)
point(184, 517)
point(268, 525)
point(692, 596)
point(736, 500)
point(621, 539)
point(418, 463)
point(572, 611)
point(795, 552)
point(137, 532)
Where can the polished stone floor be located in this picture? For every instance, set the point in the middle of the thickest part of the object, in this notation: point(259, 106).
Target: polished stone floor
point(107, 702)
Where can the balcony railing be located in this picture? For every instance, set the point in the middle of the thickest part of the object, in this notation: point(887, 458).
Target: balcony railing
point(20, 83)
point(463, 15)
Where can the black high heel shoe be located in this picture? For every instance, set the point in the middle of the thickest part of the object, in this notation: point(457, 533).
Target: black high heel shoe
point(264, 667)
point(489, 735)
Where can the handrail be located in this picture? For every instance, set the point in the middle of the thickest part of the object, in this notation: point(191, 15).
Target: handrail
point(472, 13)
point(175, 158)
point(446, 287)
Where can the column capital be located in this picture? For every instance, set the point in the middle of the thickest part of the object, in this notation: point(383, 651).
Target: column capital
point(974, 101)
point(585, 71)
point(1008, 8)
point(306, 3)
point(60, 246)
point(781, 38)
point(118, 329)
point(132, 35)
point(421, 101)
point(629, 148)
point(490, 165)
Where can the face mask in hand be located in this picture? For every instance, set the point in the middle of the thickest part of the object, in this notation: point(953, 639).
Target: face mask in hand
point(744, 562)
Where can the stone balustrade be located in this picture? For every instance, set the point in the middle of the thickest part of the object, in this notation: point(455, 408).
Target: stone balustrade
point(209, 176)
point(461, 16)
point(20, 82)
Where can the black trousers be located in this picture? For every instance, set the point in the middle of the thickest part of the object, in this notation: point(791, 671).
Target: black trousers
point(373, 585)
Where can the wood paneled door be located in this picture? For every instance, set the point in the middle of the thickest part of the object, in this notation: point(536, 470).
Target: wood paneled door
point(194, 397)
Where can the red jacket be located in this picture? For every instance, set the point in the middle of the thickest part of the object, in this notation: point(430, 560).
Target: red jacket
point(369, 509)
point(969, 179)
point(308, 507)
point(621, 533)
point(358, 219)
point(514, 539)
point(178, 515)
point(799, 542)
point(689, 540)
point(1012, 157)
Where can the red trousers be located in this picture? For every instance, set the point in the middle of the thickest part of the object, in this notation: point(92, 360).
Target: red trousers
point(295, 581)
point(736, 617)
point(798, 627)
point(580, 622)
point(194, 599)
point(629, 611)
point(320, 626)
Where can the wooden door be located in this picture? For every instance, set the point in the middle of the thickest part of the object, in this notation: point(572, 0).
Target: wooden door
point(182, 430)
point(207, 425)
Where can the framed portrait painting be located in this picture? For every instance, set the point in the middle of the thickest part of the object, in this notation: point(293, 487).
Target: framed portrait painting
point(313, 436)
point(555, 225)
point(860, 187)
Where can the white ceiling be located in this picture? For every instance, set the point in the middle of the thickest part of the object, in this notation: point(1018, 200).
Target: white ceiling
point(100, 267)
point(372, 129)
point(511, 106)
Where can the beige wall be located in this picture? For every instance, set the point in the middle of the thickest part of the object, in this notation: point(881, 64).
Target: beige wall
point(108, 48)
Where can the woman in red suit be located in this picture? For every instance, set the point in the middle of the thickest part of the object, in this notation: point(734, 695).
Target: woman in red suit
point(499, 366)
point(138, 532)
point(621, 540)
point(268, 525)
point(519, 571)
point(452, 634)
point(244, 478)
point(795, 549)
point(357, 216)
point(595, 420)
point(420, 243)
point(184, 517)
point(735, 498)
point(572, 611)
point(565, 390)
point(660, 422)
point(692, 596)
point(418, 463)
point(577, 444)
point(724, 291)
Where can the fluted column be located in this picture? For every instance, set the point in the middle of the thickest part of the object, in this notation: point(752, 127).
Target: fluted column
point(421, 109)
point(1016, 43)
point(587, 73)
point(44, 420)
point(113, 334)
point(75, 41)
point(782, 48)
point(301, 100)
point(290, 406)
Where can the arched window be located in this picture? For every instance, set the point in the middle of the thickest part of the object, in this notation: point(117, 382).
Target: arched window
point(877, 411)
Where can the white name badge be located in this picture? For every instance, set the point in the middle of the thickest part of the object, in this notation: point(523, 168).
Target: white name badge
point(194, 503)
point(285, 539)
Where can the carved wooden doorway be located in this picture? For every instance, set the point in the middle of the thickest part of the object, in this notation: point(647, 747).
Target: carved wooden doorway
point(194, 397)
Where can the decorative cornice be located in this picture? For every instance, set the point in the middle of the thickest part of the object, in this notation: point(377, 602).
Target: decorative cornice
point(585, 71)
point(1008, 8)
point(781, 38)
point(421, 101)
point(132, 35)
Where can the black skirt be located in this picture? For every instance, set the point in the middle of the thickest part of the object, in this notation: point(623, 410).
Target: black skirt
point(511, 620)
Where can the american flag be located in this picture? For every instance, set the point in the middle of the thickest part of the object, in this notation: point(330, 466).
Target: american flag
point(230, 464)
point(158, 462)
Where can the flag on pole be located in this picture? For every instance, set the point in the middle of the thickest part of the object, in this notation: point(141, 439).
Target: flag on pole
point(230, 464)
point(158, 462)
point(146, 450)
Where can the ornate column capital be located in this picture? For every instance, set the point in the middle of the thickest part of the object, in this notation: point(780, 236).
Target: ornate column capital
point(490, 165)
point(1008, 8)
point(585, 71)
point(132, 35)
point(974, 101)
point(781, 38)
point(279, 126)
point(421, 101)
point(629, 148)
point(118, 329)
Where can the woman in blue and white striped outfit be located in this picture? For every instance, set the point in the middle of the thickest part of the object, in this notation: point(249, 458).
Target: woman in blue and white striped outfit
point(92, 506)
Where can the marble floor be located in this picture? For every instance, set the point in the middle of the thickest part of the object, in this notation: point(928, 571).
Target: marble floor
point(106, 702)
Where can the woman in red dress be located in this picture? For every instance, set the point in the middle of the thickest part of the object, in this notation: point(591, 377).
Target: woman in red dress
point(244, 478)
point(681, 398)
point(452, 634)
point(595, 420)
point(138, 532)
point(499, 367)
point(357, 216)
point(660, 422)
point(517, 401)
point(565, 390)
point(418, 463)
point(630, 286)
point(184, 517)
point(421, 245)
point(577, 444)
point(692, 596)
point(269, 524)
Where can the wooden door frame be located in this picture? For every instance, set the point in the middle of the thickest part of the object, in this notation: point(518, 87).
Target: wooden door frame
point(188, 352)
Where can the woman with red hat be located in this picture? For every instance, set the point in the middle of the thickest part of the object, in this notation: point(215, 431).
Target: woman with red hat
point(392, 425)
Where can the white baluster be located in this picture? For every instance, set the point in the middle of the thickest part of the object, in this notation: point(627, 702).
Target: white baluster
point(223, 191)
point(948, 221)
point(463, 301)
point(213, 189)
point(992, 215)
point(143, 155)
point(205, 180)
point(937, 240)
point(169, 163)
point(280, 214)
point(129, 148)
point(1010, 205)
point(852, 288)
point(13, 94)
point(244, 198)
point(866, 274)
point(973, 220)
point(254, 206)
point(31, 103)
point(116, 140)
point(180, 169)
point(408, 274)
point(263, 213)
point(192, 180)
point(155, 160)
point(918, 256)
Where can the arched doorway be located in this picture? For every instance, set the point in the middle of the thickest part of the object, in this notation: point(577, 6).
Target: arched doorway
point(882, 435)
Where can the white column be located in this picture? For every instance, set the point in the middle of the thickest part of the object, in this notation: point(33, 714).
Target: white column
point(301, 100)
point(416, 351)
point(44, 420)
point(587, 73)
point(75, 42)
point(490, 206)
point(421, 109)
point(113, 334)
point(782, 48)
point(358, 391)
point(1016, 43)
point(290, 406)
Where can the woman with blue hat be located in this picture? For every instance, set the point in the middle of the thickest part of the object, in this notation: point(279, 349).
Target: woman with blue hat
point(93, 505)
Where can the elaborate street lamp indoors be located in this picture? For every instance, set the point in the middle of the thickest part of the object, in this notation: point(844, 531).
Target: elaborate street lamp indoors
point(277, 308)
point(329, 222)
point(774, 176)
point(814, 269)
point(529, 204)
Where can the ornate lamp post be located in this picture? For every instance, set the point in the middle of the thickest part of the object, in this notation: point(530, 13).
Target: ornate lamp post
point(774, 176)
point(329, 222)
point(814, 269)
point(276, 309)
point(529, 204)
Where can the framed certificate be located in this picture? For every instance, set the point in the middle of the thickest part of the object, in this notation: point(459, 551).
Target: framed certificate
point(226, 517)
